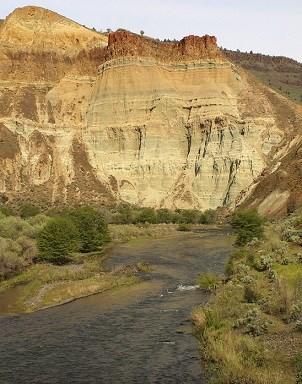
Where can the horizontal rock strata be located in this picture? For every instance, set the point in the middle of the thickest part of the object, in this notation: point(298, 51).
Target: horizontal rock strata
point(156, 124)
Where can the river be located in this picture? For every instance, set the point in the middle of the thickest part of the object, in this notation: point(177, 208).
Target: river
point(139, 334)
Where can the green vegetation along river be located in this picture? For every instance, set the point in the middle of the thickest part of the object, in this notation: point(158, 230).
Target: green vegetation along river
point(136, 334)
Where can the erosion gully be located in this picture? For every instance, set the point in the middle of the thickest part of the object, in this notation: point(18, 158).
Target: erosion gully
point(139, 334)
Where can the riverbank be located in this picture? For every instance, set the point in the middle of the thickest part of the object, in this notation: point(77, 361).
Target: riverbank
point(45, 285)
point(140, 333)
point(251, 330)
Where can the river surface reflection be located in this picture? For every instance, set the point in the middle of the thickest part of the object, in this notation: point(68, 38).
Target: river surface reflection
point(139, 334)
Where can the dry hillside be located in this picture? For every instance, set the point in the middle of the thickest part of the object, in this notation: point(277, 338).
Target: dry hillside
point(280, 73)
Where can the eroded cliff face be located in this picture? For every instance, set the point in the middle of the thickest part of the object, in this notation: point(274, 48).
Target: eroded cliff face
point(150, 123)
point(191, 131)
point(48, 67)
point(276, 191)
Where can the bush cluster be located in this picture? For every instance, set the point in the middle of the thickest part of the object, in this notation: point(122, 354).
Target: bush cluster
point(249, 225)
point(262, 294)
point(33, 236)
point(82, 229)
point(251, 293)
point(252, 323)
point(18, 242)
point(208, 281)
point(127, 214)
point(183, 227)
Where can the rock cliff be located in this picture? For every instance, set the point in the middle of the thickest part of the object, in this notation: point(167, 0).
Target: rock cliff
point(136, 120)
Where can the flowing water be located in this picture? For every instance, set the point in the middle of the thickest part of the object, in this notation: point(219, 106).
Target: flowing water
point(139, 334)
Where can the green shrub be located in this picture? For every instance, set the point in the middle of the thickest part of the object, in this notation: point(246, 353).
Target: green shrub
point(164, 216)
point(58, 239)
point(29, 210)
point(248, 226)
point(37, 223)
point(208, 217)
point(17, 245)
point(39, 220)
point(147, 215)
point(125, 214)
point(212, 319)
point(237, 257)
point(29, 249)
point(184, 227)
point(208, 281)
point(9, 263)
point(262, 262)
point(92, 228)
point(293, 236)
point(252, 323)
point(251, 293)
point(186, 216)
point(297, 222)
point(15, 255)
point(13, 227)
point(297, 364)
point(7, 211)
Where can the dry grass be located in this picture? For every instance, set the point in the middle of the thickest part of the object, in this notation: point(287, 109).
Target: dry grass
point(67, 291)
point(281, 74)
point(237, 358)
point(248, 332)
point(126, 232)
point(47, 285)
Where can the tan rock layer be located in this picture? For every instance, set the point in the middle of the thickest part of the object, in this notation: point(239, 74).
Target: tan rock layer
point(163, 125)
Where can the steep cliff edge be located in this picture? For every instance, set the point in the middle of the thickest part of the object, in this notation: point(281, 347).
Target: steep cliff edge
point(155, 124)
point(48, 66)
point(177, 125)
point(127, 44)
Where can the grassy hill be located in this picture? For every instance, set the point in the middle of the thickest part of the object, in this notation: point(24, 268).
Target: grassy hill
point(251, 330)
point(282, 74)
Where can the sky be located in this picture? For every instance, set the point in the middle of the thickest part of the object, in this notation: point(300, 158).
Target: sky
point(272, 27)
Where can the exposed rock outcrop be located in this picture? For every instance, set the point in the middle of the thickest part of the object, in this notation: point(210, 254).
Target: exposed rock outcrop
point(189, 131)
point(155, 124)
point(126, 44)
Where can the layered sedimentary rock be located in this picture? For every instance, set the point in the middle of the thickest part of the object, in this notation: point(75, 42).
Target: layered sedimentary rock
point(276, 191)
point(150, 123)
point(48, 67)
point(177, 125)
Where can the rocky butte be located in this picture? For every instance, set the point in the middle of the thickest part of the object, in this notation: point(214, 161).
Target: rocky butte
point(84, 118)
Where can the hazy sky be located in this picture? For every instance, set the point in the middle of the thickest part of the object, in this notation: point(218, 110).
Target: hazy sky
point(271, 27)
